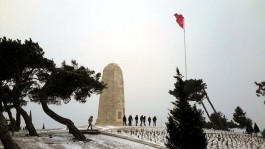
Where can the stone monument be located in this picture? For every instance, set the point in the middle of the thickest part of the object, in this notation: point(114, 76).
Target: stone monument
point(111, 101)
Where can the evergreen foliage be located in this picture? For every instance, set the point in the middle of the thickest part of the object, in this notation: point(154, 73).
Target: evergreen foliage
point(249, 129)
point(256, 128)
point(184, 126)
point(215, 117)
point(213, 125)
point(240, 118)
point(26, 72)
point(231, 124)
point(261, 89)
point(196, 91)
point(19, 64)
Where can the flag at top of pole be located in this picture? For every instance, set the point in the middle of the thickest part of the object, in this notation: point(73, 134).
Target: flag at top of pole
point(179, 20)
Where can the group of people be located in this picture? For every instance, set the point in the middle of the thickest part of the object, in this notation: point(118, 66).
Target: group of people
point(142, 120)
point(130, 119)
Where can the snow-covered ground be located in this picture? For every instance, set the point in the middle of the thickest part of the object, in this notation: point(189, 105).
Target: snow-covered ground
point(216, 139)
point(131, 138)
point(61, 139)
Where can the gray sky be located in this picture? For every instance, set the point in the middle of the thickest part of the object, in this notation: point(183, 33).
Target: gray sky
point(225, 47)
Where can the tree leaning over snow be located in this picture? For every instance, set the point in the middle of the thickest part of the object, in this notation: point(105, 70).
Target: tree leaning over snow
point(196, 91)
point(25, 70)
point(184, 126)
point(19, 64)
point(63, 84)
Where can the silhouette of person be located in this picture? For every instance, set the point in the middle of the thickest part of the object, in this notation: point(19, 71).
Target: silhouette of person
point(144, 120)
point(141, 119)
point(154, 121)
point(130, 119)
point(124, 120)
point(136, 120)
point(149, 120)
point(90, 120)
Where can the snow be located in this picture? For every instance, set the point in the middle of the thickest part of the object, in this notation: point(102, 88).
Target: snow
point(61, 139)
point(128, 137)
point(155, 135)
point(216, 138)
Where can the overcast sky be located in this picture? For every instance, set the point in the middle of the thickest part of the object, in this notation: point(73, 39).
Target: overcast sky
point(225, 43)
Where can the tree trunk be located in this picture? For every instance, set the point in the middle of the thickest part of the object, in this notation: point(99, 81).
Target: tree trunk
point(18, 120)
point(209, 101)
point(205, 110)
point(72, 128)
point(221, 125)
point(9, 113)
point(5, 137)
point(29, 125)
point(1, 106)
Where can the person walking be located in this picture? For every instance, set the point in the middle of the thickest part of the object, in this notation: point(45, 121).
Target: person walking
point(154, 121)
point(90, 120)
point(124, 120)
point(130, 119)
point(149, 120)
point(136, 120)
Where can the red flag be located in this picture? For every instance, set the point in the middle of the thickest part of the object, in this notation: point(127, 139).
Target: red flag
point(180, 20)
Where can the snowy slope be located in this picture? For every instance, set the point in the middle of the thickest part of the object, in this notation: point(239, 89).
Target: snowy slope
point(61, 139)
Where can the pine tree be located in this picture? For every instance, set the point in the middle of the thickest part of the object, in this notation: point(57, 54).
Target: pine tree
point(216, 117)
point(240, 117)
point(249, 129)
point(43, 127)
point(184, 126)
point(256, 128)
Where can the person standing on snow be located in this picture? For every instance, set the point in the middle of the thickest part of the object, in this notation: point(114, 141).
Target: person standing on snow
point(144, 118)
point(130, 119)
point(124, 120)
point(154, 121)
point(136, 120)
point(149, 120)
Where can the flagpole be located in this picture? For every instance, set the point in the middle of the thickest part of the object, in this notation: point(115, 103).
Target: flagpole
point(185, 50)
point(181, 21)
